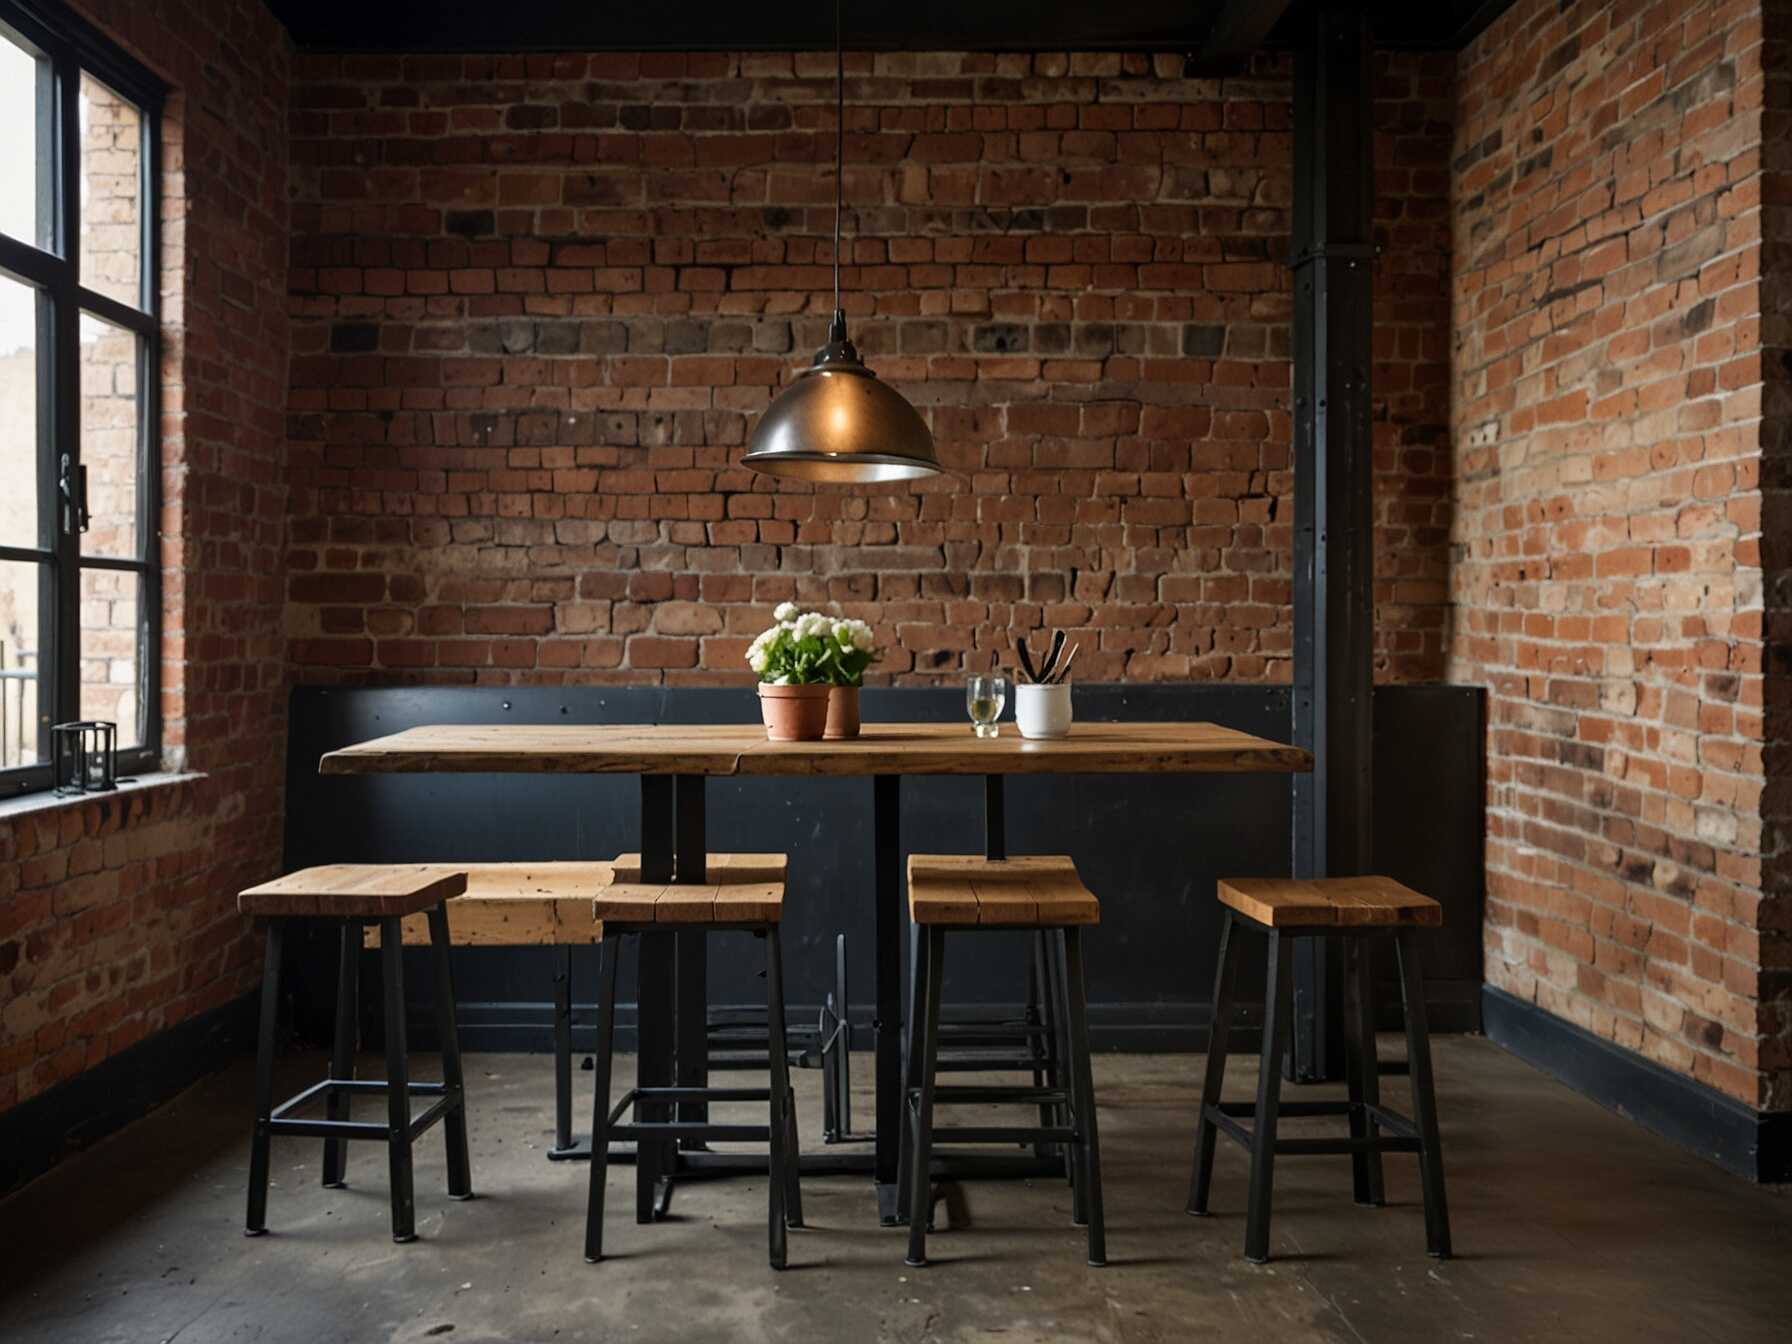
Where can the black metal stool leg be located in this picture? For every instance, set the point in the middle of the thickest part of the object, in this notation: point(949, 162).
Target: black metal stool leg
point(1057, 946)
point(257, 1220)
point(925, 1042)
point(1278, 1008)
point(779, 1053)
point(911, 1076)
point(454, 1122)
point(609, 953)
point(342, 1051)
point(1424, 1098)
point(1361, 1072)
point(1083, 1071)
point(1213, 1077)
point(1034, 1015)
point(1058, 1071)
point(778, 1120)
point(398, 1083)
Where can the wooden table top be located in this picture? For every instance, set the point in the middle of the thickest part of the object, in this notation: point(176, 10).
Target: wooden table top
point(881, 749)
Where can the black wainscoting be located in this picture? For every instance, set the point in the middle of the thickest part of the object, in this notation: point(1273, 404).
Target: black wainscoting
point(37, 1134)
point(1151, 846)
point(1740, 1139)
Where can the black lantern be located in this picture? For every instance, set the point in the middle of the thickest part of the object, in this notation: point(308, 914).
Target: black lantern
point(85, 756)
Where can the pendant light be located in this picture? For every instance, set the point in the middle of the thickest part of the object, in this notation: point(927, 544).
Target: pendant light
point(837, 423)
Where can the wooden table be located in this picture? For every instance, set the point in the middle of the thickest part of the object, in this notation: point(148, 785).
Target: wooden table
point(674, 763)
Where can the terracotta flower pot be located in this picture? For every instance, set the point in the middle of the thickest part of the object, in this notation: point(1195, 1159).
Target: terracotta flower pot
point(843, 712)
point(794, 713)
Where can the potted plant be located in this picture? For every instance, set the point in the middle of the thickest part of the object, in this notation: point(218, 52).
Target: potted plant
point(810, 667)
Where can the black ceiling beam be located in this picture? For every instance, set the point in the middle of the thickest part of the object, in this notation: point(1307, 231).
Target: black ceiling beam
point(1216, 29)
point(1241, 27)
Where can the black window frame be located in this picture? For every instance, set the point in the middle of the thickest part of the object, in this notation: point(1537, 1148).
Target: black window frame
point(68, 47)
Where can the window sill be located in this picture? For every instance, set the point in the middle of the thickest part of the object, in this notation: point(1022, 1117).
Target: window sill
point(36, 804)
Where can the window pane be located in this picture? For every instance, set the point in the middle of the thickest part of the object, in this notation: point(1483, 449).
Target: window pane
point(20, 524)
point(111, 193)
point(110, 418)
point(21, 632)
point(25, 146)
point(112, 684)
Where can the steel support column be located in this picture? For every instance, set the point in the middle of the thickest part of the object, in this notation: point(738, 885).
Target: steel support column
point(1333, 263)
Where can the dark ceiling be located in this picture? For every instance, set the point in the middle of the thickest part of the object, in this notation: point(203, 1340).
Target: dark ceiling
point(1220, 30)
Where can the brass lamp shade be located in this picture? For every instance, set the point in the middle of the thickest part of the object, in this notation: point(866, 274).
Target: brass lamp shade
point(838, 424)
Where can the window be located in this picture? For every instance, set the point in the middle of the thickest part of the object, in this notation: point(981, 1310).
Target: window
point(80, 589)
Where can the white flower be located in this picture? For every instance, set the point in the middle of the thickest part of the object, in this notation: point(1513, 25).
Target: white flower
point(862, 638)
point(811, 625)
point(759, 651)
point(784, 612)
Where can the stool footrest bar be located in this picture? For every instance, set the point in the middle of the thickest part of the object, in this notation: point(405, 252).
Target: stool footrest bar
point(1394, 1143)
point(996, 1096)
point(676, 1129)
point(328, 1129)
point(1019, 1134)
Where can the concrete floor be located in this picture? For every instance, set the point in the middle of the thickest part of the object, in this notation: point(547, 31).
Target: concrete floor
point(1568, 1222)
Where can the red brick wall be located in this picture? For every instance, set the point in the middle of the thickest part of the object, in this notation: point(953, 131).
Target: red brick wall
point(538, 302)
point(1607, 418)
point(117, 917)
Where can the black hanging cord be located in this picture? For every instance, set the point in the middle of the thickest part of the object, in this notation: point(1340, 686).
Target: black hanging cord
point(839, 140)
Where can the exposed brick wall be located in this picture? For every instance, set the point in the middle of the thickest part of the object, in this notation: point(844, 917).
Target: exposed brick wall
point(1608, 431)
point(117, 917)
point(538, 302)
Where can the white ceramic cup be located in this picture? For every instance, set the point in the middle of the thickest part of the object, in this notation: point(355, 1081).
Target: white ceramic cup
point(1042, 711)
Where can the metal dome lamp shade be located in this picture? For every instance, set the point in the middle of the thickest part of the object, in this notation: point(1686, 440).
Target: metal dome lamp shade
point(837, 424)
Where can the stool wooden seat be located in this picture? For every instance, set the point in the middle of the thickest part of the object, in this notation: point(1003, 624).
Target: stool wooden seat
point(355, 891)
point(1032, 891)
point(738, 893)
point(1350, 910)
point(959, 894)
point(1288, 902)
point(355, 895)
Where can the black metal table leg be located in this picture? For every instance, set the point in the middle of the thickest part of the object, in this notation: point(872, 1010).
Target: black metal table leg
point(690, 866)
point(886, 851)
point(656, 995)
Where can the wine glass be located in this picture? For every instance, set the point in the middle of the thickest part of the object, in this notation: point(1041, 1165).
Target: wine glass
point(984, 697)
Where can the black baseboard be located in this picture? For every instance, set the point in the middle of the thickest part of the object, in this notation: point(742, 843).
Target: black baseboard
point(1136, 1028)
point(39, 1133)
point(1740, 1139)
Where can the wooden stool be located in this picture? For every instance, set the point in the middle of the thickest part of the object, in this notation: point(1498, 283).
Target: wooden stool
point(745, 893)
point(355, 895)
point(1351, 908)
point(531, 905)
point(964, 894)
